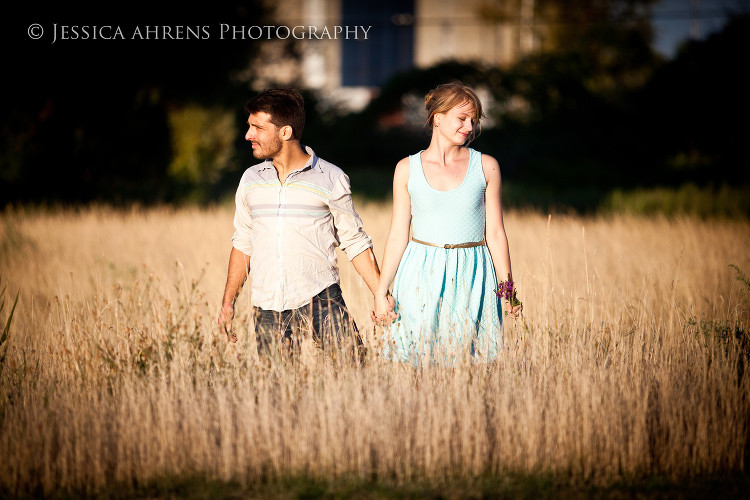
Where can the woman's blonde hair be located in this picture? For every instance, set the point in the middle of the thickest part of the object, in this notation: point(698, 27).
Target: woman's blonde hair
point(446, 97)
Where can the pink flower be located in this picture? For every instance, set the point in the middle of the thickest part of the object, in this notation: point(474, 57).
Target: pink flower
point(507, 290)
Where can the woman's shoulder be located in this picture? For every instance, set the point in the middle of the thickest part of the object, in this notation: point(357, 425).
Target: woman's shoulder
point(402, 169)
point(485, 159)
point(490, 167)
point(488, 160)
point(416, 159)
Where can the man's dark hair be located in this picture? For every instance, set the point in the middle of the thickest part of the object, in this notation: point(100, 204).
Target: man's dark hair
point(286, 107)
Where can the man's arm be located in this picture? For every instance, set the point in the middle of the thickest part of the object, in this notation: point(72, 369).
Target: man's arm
point(239, 267)
point(367, 267)
point(353, 240)
point(239, 262)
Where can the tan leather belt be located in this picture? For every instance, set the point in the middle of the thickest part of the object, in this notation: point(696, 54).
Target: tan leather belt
point(460, 245)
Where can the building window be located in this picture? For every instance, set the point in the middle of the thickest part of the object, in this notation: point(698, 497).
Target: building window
point(389, 47)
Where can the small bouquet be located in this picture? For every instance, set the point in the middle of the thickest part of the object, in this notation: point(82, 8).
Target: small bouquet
point(507, 290)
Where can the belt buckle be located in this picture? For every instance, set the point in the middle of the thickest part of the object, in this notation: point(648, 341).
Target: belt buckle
point(447, 246)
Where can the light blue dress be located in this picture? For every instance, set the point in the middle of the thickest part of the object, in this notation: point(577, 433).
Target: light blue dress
point(445, 301)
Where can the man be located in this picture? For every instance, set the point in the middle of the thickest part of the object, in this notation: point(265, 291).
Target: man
point(292, 211)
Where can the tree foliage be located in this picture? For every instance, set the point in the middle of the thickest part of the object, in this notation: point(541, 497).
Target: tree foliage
point(90, 118)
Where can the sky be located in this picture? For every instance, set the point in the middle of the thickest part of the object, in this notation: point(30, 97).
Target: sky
point(672, 20)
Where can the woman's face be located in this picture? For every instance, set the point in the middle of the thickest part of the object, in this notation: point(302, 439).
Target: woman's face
point(457, 124)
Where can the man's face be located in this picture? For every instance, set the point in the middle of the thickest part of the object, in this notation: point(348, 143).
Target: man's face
point(263, 135)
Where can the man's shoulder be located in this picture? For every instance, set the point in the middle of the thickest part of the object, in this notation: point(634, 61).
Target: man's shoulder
point(329, 169)
point(255, 170)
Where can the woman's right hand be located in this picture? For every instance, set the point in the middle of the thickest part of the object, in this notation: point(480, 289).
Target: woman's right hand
point(384, 310)
point(398, 238)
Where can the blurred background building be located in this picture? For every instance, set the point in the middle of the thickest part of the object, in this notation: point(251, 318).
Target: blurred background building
point(588, 102)
point(422, 33)
point(402, 34)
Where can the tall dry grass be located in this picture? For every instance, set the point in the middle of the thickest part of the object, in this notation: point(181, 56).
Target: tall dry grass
point(630, 361)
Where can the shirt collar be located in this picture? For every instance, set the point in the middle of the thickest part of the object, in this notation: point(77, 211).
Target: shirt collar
point(312, 162)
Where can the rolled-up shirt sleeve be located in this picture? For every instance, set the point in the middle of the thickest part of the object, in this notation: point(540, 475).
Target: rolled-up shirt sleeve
point(352, 238)
point(242, 223)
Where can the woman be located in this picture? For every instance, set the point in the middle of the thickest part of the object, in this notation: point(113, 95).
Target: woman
point(445, 278)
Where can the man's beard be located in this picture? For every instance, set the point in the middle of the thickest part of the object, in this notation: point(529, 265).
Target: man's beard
point(269, 151)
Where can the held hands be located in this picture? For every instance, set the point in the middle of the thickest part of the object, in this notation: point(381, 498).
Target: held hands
point(384, 313)
point(225, 321)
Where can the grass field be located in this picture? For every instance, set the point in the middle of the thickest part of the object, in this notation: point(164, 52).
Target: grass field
point(630, 364)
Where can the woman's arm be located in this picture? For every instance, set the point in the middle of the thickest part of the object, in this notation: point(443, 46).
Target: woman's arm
point(398, 237)
point(497, 241)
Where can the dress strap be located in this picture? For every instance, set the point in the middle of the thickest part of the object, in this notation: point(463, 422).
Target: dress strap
point(475, 164)
point(475, 159)
point(416, 174)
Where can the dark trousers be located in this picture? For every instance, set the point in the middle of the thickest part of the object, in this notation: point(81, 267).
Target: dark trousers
point(325, 317)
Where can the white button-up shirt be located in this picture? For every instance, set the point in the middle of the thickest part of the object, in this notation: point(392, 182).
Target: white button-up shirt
point(291, 230)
